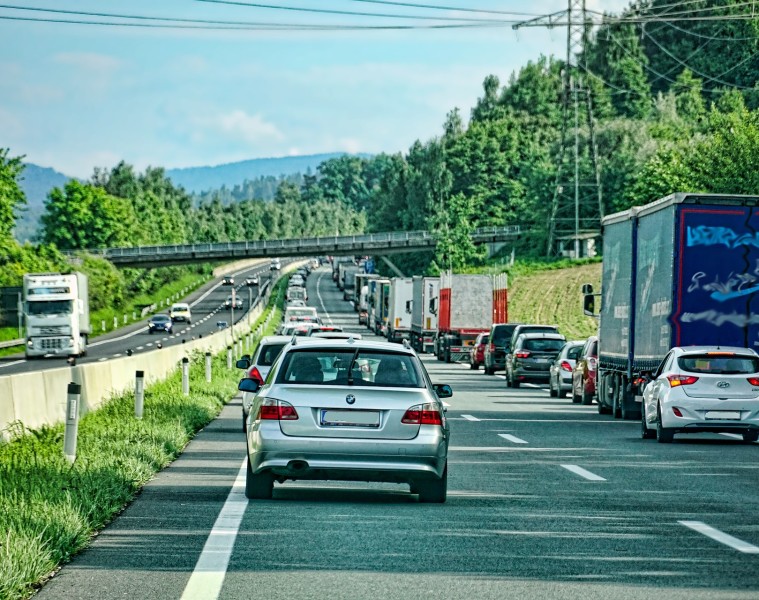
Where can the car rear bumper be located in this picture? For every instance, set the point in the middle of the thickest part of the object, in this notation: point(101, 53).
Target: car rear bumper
point(290, 457)
point(695, 419)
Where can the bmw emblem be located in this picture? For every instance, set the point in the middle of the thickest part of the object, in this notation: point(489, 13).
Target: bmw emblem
point(350, 398)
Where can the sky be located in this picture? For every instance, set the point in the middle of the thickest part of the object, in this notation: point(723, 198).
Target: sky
point(75, 97)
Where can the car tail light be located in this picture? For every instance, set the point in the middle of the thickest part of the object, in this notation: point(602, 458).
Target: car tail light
point(754, 380)
point(423, 414)
point(256, 374)
point(492, 347)
point(676, 380)
point(566, 366)
point(592, 363)
point(522, 354)
point(277, 410)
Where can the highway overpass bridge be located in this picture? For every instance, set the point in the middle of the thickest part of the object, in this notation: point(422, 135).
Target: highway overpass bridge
point(358, 245)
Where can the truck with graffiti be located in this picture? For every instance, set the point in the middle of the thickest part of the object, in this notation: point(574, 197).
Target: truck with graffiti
point(681, 271)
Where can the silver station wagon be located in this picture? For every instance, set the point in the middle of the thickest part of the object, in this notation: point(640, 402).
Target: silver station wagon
point(350, 410)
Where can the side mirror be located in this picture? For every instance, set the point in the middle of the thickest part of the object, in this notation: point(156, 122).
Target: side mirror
point(589, 305)
point(243, 363)
point(248, 385)
point(443, 390)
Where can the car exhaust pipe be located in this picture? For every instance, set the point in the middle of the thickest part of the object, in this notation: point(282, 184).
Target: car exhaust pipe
point(297, 465)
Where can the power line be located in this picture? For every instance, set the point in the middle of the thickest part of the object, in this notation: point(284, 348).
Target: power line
point(456, 8)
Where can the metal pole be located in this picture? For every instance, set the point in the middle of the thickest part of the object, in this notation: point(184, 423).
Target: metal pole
point(229, 357)
point(20, 308)
point(72, 421)
point(186, 376)
point(577, 170)
point(139, 393)
point(208, 367)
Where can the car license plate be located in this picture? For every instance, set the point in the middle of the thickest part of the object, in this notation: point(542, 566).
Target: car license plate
point(732, 415)
point(349, 418)
point(541, 360)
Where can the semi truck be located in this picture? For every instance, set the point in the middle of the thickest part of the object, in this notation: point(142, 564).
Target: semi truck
point(379, 302)
point(349, 280)
point(423, 317)
point(56, 314)
point(681, 271)
point(465, 311)
point(399, 309)
point(361, 296)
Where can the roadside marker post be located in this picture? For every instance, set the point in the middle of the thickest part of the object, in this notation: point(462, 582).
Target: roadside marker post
point(186, 376)
point(208, 367)
point(139, 394)
point(74, 393)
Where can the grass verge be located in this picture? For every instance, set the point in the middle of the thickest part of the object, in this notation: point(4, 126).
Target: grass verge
point(49, 509)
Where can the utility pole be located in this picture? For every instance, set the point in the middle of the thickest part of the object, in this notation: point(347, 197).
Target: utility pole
point(577, 204)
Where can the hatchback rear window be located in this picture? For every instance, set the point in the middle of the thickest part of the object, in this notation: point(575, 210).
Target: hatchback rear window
point(501, 334)
point(574, 352)
point(543, 345)
point(269, 354)
point(341, 367)
point(719, 364)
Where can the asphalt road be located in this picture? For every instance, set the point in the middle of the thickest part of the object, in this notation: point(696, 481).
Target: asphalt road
point(546, 500)
point(207, 307)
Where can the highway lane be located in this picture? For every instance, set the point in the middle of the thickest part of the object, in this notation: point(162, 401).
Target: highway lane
point(546, 500)
point(207, 310)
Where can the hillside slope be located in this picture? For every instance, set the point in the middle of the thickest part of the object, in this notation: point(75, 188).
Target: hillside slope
point(554, 297)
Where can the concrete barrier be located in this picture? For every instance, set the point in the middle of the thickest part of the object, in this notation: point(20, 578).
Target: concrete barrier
point(39, 398)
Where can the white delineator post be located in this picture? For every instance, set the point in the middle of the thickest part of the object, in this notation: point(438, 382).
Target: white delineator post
point(74, 392)
point(186, 376)
point(139, 393)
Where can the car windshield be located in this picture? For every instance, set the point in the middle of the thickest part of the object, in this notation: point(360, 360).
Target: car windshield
point(574, 352)
point(339, 366)
point(734, 364)
point(269, 354)
point(180, 307)
point(51, 307)
point(543, 345)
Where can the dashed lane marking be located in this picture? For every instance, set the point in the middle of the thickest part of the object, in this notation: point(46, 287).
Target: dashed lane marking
point(470, 418)
point(512, 438)
point(583, 473)
point(721, 537)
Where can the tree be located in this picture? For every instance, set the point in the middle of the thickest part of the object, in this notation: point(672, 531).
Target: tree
point(11, 195)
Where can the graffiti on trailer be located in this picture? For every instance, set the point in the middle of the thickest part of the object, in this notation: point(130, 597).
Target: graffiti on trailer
point(703, 235)
point(733, 287)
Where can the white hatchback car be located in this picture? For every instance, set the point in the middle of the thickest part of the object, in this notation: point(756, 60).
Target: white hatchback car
point(703, 389)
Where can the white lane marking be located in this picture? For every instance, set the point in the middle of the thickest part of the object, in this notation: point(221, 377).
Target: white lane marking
point(470, 418)
point(149, 344)
point(321, 300)
point(511, 438)
point(721, 537)
point(117, 355)
point(15, 362)
point(102, 359)
point(583, 473)
point(211, 569)
point(733, 435)
point(140, 347)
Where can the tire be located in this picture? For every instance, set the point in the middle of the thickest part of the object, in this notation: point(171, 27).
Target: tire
point(515, 384)
point(508, 380)
point(751, 436)
point(615, 402)
point(603, 409)
point(645, 432)
point(432, 492)
point(258, 487)
point(551, 390)
point(447, 356)
point(488, 370)
point(244, 424)
point(664, 435)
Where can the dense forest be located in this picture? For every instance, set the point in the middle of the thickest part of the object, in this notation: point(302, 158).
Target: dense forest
point(675, 107)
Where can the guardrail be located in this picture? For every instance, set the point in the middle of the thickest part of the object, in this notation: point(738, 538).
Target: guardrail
point(384, 243)
point(11, 343)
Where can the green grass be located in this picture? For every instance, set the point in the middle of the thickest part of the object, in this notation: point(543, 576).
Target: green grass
point(49, 509)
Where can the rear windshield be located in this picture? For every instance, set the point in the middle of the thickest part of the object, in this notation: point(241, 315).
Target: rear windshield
point(719, 365)
point(574, 352)
point(340, 367)
point(269, 354)
point(543, 345)
point(503, 333)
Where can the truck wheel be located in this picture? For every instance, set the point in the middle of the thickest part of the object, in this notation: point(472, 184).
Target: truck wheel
point(258, 487)
point(615, 410)
point(664, 435)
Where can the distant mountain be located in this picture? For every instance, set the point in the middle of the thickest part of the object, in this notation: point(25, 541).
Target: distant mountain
point(36, 182)
point(201, 179)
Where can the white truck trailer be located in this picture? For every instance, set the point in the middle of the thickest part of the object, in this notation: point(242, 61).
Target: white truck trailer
point(424, 313)
point(399, 309)
point(56, 314)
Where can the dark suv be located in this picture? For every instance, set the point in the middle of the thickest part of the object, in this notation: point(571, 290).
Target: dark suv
point(531, 358)
point(495, 350)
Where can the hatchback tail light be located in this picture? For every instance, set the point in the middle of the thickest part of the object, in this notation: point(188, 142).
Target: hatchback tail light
point(277, 410)
point(522, 354)
point(423, 414)
point(676, 380)
point(256, 374)
point(754, 381)
point(566, 366)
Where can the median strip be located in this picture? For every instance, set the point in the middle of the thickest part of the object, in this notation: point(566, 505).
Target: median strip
point(583, 473)
point(721, 537)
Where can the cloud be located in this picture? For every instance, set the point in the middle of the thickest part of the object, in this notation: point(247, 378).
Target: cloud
point(92, 62)
point(250, 128)
point(350, 145)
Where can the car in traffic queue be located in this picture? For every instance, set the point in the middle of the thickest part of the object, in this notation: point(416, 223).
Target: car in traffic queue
point(347, 410)
point(253, 280)
point(257, 367)
point(227, 280)
point(160, 323)
point(233, 301)
point(585, 372)
point(699, 389)
point(531, 358)
point(180, 311)
point(560, 373)
point(477, 351)
point(494, 358)
point(275, 264)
